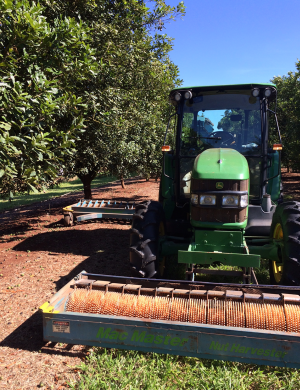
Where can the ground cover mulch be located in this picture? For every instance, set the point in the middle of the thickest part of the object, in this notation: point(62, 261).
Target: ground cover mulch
point(38, 255)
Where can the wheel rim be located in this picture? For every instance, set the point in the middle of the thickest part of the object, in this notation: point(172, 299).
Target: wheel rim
point(277, 269)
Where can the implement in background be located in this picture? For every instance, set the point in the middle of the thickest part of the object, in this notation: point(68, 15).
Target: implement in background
point(87, 209)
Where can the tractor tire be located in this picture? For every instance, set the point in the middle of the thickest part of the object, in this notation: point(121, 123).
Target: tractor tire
point(286, 228)
point(144, 239)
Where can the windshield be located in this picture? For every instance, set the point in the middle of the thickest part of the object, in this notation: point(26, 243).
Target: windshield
point(227, 119)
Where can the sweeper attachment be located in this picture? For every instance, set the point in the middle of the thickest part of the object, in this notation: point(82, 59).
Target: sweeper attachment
point(245, 323)
point(87, 209)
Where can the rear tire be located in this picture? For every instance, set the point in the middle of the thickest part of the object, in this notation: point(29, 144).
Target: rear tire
point(286, 228)
point(144, 239)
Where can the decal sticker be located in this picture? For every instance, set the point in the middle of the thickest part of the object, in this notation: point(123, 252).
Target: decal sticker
point(61, 326)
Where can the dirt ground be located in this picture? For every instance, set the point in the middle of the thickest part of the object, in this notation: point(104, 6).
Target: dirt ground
point(38, 255)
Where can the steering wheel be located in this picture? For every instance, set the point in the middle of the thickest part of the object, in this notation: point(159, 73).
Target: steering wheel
point(226, 137)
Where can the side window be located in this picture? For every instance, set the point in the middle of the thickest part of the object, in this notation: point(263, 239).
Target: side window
point(188, 132)
point(186, 166)
point(255, 172)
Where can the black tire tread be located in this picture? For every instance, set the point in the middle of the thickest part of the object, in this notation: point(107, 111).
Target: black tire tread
point(144, 238)
point(287, 214)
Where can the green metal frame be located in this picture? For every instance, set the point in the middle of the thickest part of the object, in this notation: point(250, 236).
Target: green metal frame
point(226, 247)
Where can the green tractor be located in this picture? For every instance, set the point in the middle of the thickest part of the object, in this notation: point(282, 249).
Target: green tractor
point(220, 197)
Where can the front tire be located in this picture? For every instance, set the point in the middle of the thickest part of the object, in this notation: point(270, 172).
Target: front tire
point(285, 229)
point(144, 239)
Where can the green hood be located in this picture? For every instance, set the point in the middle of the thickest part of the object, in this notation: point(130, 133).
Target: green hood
point(220, 164)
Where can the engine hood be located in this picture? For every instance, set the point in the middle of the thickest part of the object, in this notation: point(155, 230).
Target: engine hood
point(220, 164)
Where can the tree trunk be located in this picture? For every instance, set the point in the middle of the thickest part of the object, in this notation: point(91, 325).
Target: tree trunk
point(87, 181)
point(123, 182)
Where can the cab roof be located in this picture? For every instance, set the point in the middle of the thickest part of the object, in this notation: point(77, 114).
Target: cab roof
point(224, 87)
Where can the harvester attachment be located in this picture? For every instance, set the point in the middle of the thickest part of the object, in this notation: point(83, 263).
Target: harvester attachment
point(257, 324)
point(86, 209)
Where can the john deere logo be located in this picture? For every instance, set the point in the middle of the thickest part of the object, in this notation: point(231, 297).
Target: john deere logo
point(219, 185)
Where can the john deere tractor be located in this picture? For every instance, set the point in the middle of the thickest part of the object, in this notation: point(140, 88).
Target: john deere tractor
point(220, 198)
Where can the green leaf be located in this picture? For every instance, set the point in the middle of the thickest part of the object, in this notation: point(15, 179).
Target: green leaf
point(5, 126)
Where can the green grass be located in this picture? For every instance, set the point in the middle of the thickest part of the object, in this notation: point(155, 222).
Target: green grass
point(262, 274)
point(58, 190)
point(117, 369)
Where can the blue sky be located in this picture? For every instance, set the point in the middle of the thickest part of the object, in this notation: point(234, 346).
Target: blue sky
point(235, 41)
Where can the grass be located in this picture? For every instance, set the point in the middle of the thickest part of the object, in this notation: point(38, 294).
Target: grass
point(262, 274)
point(117, 369)
point(58, 190)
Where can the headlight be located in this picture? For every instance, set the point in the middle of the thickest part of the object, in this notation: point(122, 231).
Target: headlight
point(255, 92)
point(208, 200)
point(268, 92)
point(235, 200)
point(230, 200)
point(177, 96)
point(194, 198)
point(188, 95)
point(244, 200)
